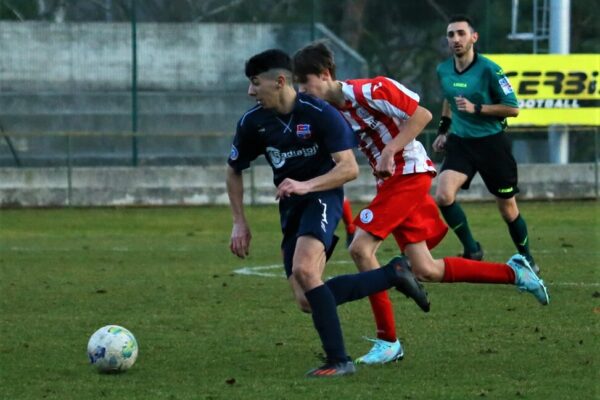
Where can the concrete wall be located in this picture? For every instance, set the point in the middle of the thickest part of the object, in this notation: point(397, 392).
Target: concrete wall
point(120, 186)
point(97, 56)
point(77, 77)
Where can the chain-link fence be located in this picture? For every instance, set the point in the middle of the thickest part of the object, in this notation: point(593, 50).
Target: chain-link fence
point(100, 84)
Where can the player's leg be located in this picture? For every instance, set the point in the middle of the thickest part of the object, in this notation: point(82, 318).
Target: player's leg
point(386, 346)
point(308, 264)
point(500, 176)
point(308, 226)
point(517, 227)
point(299, 296)
point(392, 205)
point(457, 269)
point(423, 230)
point(458, 169)
point(348, 219)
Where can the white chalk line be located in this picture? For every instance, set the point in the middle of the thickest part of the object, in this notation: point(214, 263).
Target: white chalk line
point(194, 249)
point(260, 271)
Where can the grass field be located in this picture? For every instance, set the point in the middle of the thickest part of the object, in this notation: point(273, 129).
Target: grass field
point(207, 332)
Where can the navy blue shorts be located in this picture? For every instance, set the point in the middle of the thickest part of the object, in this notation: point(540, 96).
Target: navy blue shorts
point(315, 214)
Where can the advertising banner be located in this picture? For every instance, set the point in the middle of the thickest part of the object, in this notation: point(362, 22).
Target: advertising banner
point(554, 89)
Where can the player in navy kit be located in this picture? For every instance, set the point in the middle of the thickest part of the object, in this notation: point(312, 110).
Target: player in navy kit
point(309, 147)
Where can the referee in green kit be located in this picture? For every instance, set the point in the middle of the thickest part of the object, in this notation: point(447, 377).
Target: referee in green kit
point(477, 100)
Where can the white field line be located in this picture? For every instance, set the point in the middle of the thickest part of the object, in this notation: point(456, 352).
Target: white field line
point(124, 249)
point(260, 271)
point(187, 249)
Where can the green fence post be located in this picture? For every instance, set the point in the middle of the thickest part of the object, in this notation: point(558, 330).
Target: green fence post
point(596, 157)
point(69, 172)
point(134, 106)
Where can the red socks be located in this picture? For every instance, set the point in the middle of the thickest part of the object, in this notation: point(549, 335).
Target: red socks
point(348, 218)
point(384, 316)
point(460, 269)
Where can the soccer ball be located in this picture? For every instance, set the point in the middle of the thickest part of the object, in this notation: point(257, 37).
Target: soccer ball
point(112, 348)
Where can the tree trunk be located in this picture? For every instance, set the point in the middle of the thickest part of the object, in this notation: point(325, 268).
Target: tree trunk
point(352, 22)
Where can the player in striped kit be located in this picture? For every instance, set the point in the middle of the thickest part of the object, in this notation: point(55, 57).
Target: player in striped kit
point(387, 117)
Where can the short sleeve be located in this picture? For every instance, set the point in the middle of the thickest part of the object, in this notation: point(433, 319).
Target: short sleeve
point(501, 89)
point(392, 98)
point(243, 149)
point(337, 134)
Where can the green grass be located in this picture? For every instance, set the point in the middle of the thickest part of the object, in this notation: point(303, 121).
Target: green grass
point(208, 333)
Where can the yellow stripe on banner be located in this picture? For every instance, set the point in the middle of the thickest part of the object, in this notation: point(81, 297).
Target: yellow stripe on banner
point(554, 89)
point(543, 117)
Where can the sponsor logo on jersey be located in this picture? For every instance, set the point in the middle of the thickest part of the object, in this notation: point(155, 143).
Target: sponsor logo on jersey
point(459, 84)
point(234, 153)
point(366, 216)
point(361, 112)
point(303, 131)
point(278, 157)
point(505, 85)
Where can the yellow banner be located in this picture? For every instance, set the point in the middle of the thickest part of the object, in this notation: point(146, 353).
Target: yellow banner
point(554, 89)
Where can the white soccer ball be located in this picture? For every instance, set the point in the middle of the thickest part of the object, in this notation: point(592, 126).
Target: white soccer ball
point(112, 348)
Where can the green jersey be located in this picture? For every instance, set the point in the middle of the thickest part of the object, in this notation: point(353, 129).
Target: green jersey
point(483, 82)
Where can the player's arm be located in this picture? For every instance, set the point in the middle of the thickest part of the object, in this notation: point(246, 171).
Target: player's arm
point(439, 144)
point(410, 130)
point(446, 111)
point(345, 170)
point(504, 104)
point(240, 233)
point(491, 110)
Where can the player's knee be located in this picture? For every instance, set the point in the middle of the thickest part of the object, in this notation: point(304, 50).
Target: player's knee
point(426, 272)
point(509, 211)
point(304, 275)
point(444, 198)
point(358, 253)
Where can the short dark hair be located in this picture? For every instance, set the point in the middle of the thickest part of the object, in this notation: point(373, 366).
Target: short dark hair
point(313, 59)
point(268, 60)
point(461, 18)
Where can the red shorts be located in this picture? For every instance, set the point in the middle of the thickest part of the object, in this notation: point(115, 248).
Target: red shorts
point(404, 207)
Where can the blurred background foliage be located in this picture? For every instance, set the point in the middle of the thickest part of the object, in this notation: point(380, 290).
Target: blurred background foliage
point(401, 39)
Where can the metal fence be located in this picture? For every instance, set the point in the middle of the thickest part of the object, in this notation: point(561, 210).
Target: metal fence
point(148, 93)
point(129, 93)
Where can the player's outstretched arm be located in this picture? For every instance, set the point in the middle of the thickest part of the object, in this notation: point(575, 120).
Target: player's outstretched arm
point(345, 170)
point(240, 233)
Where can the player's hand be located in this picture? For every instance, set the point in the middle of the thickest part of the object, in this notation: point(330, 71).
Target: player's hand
point(439, 144)
point(289, 187)
point(240, 240)
point(386, 166)
point(464, 105)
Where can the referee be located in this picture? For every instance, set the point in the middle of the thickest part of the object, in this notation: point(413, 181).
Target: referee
point(477, 100)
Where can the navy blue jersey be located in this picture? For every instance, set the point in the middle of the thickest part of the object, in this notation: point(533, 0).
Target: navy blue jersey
point(296, 145)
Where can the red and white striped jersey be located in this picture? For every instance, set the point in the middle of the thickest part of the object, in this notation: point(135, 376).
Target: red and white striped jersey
point(376, 110)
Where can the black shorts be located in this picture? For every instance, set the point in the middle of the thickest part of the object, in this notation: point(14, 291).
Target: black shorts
point(491, 156)
point(315, 214)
